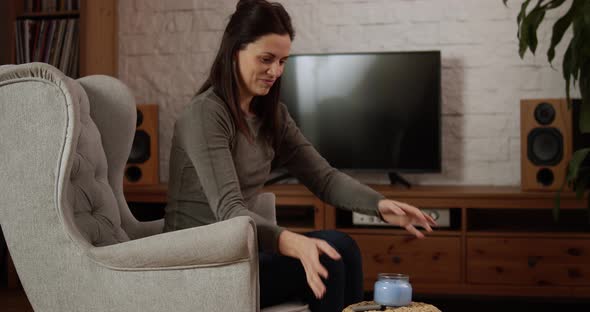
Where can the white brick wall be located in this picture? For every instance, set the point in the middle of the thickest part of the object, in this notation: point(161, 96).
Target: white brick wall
point(166, 49)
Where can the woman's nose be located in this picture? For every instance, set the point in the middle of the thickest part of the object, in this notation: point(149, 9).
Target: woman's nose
point(274, 70)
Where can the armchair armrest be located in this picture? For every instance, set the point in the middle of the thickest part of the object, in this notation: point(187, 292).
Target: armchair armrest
point(221, 243)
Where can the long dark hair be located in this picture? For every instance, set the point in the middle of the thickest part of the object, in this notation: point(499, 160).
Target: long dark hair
point(251, 20)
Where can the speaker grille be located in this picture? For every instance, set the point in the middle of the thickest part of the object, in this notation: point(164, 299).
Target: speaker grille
point(140, 149)
point(545, 146)
point(139, 120)
point(544, 113)
point(133, 173)
point(545, 177)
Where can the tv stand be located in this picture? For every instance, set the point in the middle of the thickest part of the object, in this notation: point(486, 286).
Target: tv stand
point(394, 178)
point(278, 178)
point(501, 241)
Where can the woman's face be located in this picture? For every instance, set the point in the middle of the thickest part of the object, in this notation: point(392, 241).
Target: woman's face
point(261, 63)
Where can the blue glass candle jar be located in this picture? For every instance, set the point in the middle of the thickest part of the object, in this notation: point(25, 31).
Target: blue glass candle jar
point(393, 290)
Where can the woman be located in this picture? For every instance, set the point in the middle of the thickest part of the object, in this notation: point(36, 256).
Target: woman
point(231, 136)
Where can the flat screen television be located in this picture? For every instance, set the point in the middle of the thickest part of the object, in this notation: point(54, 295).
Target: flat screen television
point(369, 111)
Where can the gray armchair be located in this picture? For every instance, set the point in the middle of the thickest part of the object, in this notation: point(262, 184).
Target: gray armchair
point(64, 144)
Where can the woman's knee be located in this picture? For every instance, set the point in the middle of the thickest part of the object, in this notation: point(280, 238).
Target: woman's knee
point(344, 244)
point(336, 269)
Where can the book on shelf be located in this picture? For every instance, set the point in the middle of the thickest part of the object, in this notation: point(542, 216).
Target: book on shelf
point(44, 6)
point(54, 41)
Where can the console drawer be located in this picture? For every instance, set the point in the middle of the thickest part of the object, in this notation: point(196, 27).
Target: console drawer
point(528, 261)
point(434, 259)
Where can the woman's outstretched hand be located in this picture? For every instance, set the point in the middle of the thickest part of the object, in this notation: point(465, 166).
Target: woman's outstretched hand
point(406, 216)
point(308, 251)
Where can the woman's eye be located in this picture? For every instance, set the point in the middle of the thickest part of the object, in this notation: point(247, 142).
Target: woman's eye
point(266, 60)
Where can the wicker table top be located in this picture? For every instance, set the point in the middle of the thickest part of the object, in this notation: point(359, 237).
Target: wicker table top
point(412, 307)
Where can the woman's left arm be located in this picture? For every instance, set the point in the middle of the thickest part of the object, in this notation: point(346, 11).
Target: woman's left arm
point(302, 160)
point(405, 215)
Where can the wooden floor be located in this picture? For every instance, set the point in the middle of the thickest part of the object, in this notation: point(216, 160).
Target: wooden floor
point(14, 301)
point(495, 304)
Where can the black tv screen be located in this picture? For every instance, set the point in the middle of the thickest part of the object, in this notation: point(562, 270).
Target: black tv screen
point(378, 111)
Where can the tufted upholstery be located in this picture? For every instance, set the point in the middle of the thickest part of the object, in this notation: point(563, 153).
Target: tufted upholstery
point(96, 211)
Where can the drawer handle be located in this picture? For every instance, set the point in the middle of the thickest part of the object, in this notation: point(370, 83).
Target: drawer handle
point(533, 260)
point(396, 259)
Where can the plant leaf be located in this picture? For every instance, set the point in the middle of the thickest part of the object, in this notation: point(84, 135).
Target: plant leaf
point(584, 122)
point(582, 182)
point(566, 68)
point(528, 29)
point(577, 46)
point(557, 199)
point(584, 118)
point(534, 20)
point(523, 29)
point(554, 4)
point(574, 164)
point(522, 12)
point(573, 169)
point(559, 29)
point(585, 49)
point(524, 39)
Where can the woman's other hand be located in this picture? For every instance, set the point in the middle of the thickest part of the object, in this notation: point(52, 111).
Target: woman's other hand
point(308, 251)
point(406, 216)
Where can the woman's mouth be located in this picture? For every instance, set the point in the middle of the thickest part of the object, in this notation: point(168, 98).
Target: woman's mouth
point(268, 82)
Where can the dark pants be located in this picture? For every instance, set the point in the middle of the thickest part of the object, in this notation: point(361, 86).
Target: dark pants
point(283, 278)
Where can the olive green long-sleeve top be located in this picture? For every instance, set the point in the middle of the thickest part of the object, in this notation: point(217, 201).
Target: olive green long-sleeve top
point(215, 171)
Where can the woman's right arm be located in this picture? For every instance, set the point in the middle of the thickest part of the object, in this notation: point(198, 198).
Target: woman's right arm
point(308, 251)
point(206, 132)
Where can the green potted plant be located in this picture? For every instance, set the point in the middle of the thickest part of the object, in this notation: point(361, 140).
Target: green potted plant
point(576, 71)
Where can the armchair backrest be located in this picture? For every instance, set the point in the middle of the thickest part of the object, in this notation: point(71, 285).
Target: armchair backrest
point(88, 169)
point(113, 111)
point(91, 194)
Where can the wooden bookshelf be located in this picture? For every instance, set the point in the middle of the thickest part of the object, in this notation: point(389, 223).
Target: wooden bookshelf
point(74, 13)
point(7, 18)
point(97, 33)
point(98, 40)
